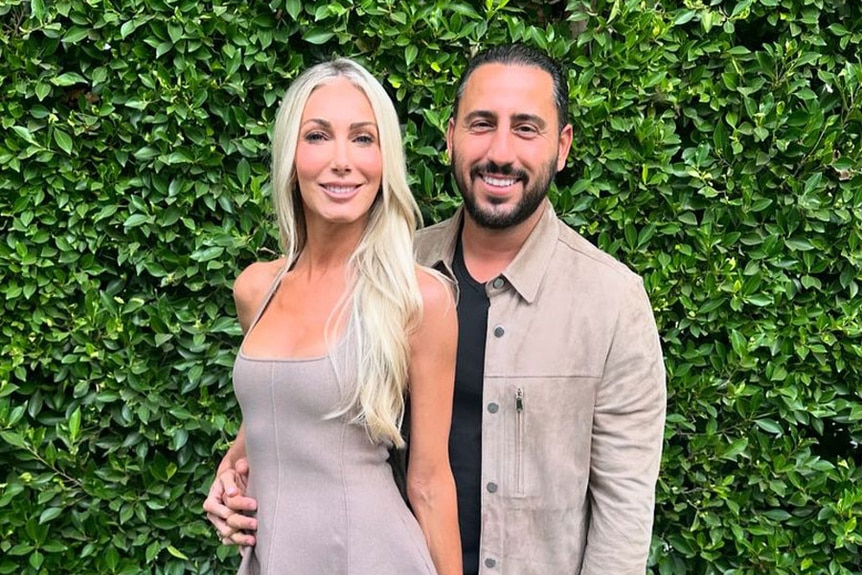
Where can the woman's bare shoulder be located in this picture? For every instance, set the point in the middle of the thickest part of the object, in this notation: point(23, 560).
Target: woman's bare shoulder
point(436, 289)
point(251, 286)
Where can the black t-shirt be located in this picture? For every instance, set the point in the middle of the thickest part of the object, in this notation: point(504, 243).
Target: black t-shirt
point(465, 437)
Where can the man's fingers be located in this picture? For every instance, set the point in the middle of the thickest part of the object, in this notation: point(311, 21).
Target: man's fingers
point(224, 530)
point(241, 539)
point(241, 503)
point(228, 482)
point(226, 498)
point(240, 522)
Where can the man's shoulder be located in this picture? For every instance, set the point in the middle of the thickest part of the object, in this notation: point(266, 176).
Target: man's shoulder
point(591, 259)
point(439, 230)
point(432, 240)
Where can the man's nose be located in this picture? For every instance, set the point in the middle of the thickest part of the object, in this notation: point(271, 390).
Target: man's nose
point(501, 150)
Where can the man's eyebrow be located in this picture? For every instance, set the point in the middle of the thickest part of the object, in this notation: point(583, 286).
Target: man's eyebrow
point(480, 114)
point(530, 118)
point(488, 115)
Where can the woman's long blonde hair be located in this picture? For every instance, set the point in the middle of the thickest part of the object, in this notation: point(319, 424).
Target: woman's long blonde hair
point(383, 299)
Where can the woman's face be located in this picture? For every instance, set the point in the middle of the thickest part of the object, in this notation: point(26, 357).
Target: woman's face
point(338, 163)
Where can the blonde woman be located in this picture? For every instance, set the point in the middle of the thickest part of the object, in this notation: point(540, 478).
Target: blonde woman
point(336, 333)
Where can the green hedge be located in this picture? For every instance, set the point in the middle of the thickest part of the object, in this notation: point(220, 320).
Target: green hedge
point(718, 151)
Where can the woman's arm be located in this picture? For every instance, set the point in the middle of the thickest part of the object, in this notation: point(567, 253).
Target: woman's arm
point(430, 484)
point(226, 498)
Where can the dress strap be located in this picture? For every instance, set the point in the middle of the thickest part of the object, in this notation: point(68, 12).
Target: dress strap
point(268, 297)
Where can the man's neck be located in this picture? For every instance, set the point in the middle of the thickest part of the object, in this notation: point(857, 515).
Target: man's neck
point(487, 252)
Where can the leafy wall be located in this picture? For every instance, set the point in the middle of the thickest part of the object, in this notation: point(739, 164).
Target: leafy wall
point(717, 152)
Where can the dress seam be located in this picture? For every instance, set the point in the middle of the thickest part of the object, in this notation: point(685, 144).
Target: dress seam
point(348, 518)
point(278, 491)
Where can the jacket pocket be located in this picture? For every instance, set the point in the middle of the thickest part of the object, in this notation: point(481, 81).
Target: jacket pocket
point(519, 441)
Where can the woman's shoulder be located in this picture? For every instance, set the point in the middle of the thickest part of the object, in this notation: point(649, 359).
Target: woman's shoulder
point(257, 277)
point(252, 283)
point(436, 289)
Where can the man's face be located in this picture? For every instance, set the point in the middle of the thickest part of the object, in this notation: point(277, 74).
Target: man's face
point(505, 144)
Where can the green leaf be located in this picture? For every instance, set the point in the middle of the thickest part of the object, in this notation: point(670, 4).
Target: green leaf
point(49, 514)
point(317, 36)
point(243, 171)
point(13, 439)
point(777, 514)
point(410, 54)
point(688, 218)
point(63, 140)
point(294, 8)
point(207, 254)
point(798, 244)
point(735, 449)
point(128, 28)
point(75, 35)
point(146, 153)
point(176, 553)
point(136, 220)
point(75, 424)
point(684, 17)
point(36, 559)
point(37, 9)
point(42, 90)
point(740, 7)
point(769, 426)
point(759, 300)
point(24, 134)
point(68, 79)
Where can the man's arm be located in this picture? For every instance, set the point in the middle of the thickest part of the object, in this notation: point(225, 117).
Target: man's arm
point(226, 502)
point(627, 437)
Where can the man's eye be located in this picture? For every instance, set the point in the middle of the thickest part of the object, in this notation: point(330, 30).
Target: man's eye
point(481, 126)
point(527, 130)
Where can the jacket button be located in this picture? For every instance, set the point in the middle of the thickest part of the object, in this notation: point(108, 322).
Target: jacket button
point(493, 407)
point(491, 487)
point(490, 563)
point(499, 331)
point(498, 283)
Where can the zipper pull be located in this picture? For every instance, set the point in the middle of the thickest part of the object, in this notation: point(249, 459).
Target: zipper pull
point(519, 400)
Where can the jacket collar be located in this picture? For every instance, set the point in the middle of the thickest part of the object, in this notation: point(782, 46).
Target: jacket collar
point(526, 271)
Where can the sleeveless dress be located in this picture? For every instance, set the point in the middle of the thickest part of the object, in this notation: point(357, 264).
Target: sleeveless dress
point(327, 502)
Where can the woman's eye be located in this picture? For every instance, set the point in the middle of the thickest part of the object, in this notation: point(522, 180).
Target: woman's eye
point(364, 139)
point(315, 137)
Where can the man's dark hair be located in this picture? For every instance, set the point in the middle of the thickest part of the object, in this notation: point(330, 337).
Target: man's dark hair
point(521, 55)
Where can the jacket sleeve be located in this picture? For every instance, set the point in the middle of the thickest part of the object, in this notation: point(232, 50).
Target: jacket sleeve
point(627, 437)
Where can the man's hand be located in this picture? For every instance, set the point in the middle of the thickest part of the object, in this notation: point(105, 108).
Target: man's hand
point(226, 503)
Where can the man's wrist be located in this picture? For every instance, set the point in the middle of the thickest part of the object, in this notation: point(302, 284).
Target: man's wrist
point(227, 464)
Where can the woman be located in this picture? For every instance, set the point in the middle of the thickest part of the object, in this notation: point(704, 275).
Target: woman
point(334, 332)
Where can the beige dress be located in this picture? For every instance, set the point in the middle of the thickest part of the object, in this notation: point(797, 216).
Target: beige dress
point(327, 503)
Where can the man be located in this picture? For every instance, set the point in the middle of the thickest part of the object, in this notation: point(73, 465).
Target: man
point(560, 386)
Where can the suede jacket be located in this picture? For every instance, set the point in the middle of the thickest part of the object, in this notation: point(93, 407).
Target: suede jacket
point(574, 404)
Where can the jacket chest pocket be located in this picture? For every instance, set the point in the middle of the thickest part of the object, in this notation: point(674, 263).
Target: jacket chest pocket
point(520, 431)
point(546, 443)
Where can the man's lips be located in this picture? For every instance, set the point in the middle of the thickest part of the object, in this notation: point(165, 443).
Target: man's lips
point(501, 178)
point(498, 181)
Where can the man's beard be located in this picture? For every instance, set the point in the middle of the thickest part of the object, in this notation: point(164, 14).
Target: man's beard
point(528, 204)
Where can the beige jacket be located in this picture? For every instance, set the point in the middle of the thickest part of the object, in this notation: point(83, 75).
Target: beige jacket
point(574, 398)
